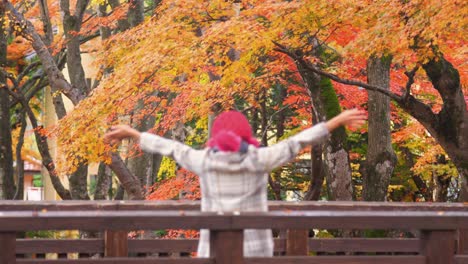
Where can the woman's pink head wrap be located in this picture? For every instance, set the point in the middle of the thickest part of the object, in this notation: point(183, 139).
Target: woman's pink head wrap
point(229, 130)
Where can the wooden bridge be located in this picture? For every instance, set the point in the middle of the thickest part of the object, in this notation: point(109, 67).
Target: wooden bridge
point(441, 232)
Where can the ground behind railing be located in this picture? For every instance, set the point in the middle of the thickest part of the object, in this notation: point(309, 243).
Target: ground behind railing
point(441, 232)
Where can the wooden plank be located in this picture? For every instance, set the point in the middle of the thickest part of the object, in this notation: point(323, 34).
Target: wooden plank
point(162, 245)
point(96, 245)
point(364, 206)
point(279, 244)
point(297, 242)
point(110, 220)
point(461, 259)
point(195, 206)
point(7, 247)
point(462, 241)
point(115, 243)
point(226, 247)
point(364, 245)
point(438, 246)
point(138, 220)
point(89, 245)
point(352, 220)
point(120, 261)
point(275, 260)
point(339, 260)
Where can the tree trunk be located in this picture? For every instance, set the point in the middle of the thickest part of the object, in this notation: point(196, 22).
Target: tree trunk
point(380, 158)
point(418, 181)
point(105, 32)
point(6, 152)
point(46, 24)
point(7, 188)
point(154, 5)
point(274, 182)
point(336, 162)
point(71, 24)
point(19, 194)
point(317, 175)
point(450, 127)
point(136, 12)
point(57, 100)
point(146, 165)
point(43, 148)
point(129, 182)
point(279, 119)
point(79, 183)
point(122, 24)
point(103, 182)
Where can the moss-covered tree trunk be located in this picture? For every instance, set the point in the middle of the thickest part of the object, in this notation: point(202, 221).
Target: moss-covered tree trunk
point(336, 159)
point(338, 176)
point(380, 160)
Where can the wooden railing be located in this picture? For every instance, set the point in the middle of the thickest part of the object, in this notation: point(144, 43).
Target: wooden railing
point(440, 228)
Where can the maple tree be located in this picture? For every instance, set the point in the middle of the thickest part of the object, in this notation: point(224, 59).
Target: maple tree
point(18, 74)
point(423, 41)
point(202, 58)
point(54, 52)
point(268, 58)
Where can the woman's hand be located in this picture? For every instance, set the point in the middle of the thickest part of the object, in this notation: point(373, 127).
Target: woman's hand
point(353, 118)
point(120, 132)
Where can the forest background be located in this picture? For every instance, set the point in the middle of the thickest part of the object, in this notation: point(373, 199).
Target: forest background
point(171, 66)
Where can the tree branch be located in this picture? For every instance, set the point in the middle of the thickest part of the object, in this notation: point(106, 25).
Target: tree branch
point(334, 77)
point(129, 181)
point(26, 71)
point(19, 159)
point(410, 82)
point(80, 9)
point(46, 24)
point(56, 78)
point(422, 112)
point(43, 148)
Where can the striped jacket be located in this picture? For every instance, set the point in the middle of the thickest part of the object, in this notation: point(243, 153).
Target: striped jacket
point(235, 181)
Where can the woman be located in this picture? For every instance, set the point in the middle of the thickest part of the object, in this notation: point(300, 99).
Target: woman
point(233, 169)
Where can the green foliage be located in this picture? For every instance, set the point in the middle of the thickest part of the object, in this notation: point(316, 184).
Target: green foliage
point(329, 97)
point(323, 233)
point(37, 180)
point(160, 233)
point(375, 233)
point(41, 234)
point(92, 185)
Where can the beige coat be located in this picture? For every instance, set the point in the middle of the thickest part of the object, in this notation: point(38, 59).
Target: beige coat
point(235, 181)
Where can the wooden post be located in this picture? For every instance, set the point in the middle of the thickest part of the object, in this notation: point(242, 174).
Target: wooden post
point(297, 242)
point(227, 246)
point(462, 245)
point(438, 246)
point(115, 244)
point(7, 247)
